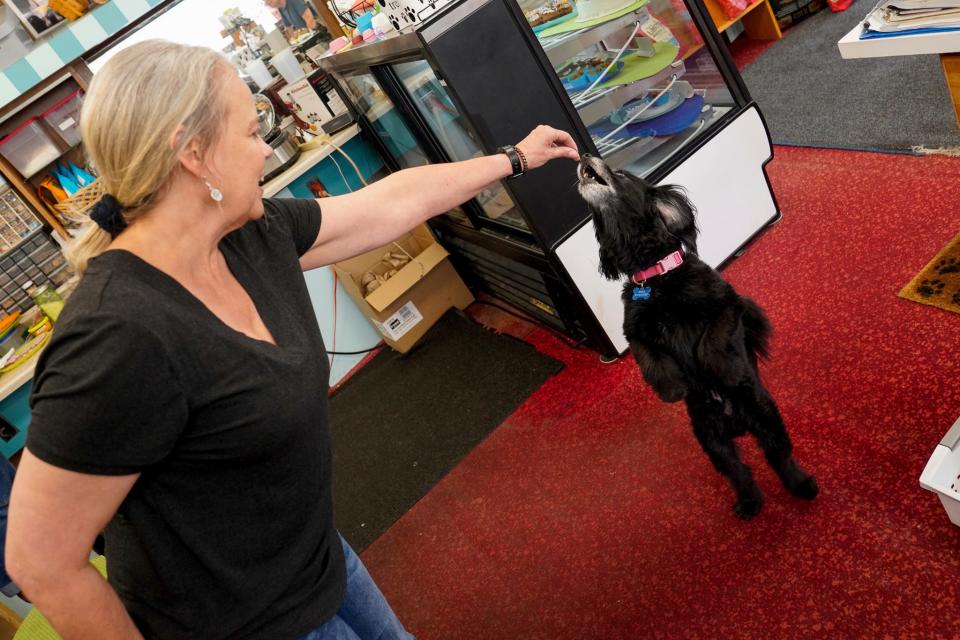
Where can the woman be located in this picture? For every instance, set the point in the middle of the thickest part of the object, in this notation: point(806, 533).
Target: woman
point(182, 402)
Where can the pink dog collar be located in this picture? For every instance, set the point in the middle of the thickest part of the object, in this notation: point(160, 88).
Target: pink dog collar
point(669, 263)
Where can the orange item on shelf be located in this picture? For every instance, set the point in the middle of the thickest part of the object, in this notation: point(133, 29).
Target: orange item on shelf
point(51, 186)
point(70, 9)
point(8, 321)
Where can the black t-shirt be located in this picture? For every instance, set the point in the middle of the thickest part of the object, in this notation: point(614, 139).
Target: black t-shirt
point(228, 532)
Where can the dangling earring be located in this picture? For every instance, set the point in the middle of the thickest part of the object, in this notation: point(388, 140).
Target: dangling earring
point(215, 194)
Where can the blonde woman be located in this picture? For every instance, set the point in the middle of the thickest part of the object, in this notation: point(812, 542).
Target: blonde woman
point(182, 403)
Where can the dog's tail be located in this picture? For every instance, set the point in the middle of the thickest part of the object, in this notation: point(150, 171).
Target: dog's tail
point(756, 329)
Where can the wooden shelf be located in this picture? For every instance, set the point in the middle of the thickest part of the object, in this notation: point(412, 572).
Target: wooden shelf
point(26, 191)
point(758, 19)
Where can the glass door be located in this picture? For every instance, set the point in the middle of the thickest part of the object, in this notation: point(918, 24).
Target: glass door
point(388, 125)
point(450, 128)
point(638, 73)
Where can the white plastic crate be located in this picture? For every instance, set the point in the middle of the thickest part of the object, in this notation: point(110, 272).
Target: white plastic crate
point(942, 473)
point(29, 148)
point(64, 117)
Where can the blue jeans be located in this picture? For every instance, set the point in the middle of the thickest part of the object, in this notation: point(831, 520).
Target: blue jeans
point(7, 586)
point(364, 614)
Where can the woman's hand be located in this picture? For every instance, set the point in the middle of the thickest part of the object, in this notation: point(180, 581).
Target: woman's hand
point(546, 143)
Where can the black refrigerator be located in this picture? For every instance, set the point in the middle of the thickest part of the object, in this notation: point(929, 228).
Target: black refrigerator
point(648, 85)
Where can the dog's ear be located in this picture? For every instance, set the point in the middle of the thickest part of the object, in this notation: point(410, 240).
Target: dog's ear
point(678, 214)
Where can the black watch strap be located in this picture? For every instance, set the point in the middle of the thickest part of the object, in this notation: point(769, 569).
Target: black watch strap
point(516, 160)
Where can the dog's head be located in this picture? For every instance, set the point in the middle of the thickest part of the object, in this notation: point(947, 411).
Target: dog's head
point(636, 223)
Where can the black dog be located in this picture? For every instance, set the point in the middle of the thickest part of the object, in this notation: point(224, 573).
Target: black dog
point(694, 338)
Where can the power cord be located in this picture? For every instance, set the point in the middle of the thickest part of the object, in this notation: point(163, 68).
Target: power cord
point(355, 353)
point(326, 139)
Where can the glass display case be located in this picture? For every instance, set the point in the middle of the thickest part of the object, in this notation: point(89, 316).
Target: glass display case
point(639, 77)
point(646, 84)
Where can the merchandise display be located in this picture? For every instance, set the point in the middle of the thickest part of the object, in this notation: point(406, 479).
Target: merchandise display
point(582, 73)
point(668, 123)
point(646, 89)
point(600, 16)
point(548, 13)
point(623, 81)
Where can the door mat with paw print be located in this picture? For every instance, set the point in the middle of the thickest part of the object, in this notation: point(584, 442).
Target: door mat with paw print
point(938, 284)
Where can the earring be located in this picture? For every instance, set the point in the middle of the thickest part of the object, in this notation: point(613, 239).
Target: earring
point(215, 194)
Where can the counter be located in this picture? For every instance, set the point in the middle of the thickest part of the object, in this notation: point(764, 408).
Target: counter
point(307, 160)
point(13, 380)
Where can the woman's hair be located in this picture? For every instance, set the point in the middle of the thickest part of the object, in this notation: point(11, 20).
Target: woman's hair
point(136, 102)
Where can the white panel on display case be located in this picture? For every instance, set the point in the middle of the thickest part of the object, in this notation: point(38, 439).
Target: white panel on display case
point(725, 181)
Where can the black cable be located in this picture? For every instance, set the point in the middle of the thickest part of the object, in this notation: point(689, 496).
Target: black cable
point(563, 338)
point(354, 353)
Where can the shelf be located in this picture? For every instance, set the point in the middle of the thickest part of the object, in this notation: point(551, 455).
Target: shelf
point(720, 18)
point(561, 48)
point(645, 163)
point(645, 154)
point(851, 46)
point(608, 102)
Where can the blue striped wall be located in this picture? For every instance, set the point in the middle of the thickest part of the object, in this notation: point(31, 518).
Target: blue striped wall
point(68, 43)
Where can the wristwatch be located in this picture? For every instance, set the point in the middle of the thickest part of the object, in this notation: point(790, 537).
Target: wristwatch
point(517, 161)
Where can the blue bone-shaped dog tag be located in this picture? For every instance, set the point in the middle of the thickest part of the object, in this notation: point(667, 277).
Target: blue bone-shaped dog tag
point(641, 294)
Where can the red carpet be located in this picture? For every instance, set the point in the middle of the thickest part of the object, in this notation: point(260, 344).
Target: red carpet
point(592, 512)
point(745, 51)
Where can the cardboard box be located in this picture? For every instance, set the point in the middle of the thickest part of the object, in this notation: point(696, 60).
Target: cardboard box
point(404, 307)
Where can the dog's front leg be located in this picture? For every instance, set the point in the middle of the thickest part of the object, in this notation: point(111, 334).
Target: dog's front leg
point(722, 350)
point(661, 372)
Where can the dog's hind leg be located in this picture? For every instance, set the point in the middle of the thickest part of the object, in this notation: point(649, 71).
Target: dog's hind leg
point(708, 426)
point(765, 422)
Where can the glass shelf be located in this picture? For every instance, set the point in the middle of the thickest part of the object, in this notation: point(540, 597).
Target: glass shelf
point(657, 23)
point(653, 157)
point(561, 48)
point(605, 103)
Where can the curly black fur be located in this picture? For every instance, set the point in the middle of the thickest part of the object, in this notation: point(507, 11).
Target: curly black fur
point(695, 339)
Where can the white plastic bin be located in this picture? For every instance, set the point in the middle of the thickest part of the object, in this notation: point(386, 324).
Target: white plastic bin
point(29, 148)
point(64, 117)
point(286, 63)
point(942, 473)
point(258, 71)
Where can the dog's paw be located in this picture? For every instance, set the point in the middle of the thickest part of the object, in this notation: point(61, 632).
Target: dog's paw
point(806, 488)
point(746, 508)
point(749, 502)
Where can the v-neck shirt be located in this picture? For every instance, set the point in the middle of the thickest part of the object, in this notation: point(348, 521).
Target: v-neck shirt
point(228, 532)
